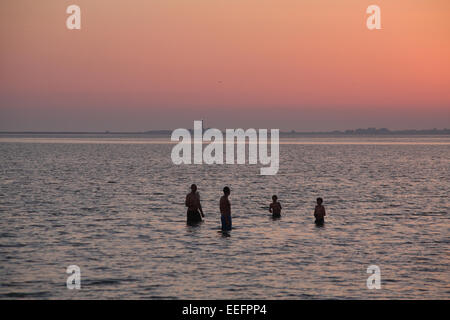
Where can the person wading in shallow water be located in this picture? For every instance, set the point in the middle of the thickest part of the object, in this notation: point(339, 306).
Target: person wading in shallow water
point(319, 212)
point(225, 210)
point(194, 211)
point(275, 207)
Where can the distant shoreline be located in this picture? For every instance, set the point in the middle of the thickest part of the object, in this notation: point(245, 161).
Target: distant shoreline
point(356, 132)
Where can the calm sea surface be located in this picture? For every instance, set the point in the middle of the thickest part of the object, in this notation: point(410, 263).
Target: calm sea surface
point(114, 206)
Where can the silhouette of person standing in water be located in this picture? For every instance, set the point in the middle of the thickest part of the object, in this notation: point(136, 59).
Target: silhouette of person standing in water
point(194, 211)
point(225, 210)
point(319, 212)
point(275, 207)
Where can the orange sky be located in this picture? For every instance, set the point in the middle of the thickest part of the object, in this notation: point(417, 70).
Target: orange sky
point(289, 64)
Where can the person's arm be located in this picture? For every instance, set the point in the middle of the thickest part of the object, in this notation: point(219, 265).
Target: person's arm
point(200, 206)
point(228, 216)
point(315, 212)
point(270, 208)
point(280, 205)
point(324, 212)
point(187, 202)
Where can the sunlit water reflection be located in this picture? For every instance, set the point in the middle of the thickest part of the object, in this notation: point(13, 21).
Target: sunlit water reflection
point(116, 210)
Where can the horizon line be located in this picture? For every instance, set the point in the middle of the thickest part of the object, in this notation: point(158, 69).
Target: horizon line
point(359, 131)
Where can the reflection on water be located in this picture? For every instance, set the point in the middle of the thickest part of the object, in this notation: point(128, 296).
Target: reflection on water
point(117, 211)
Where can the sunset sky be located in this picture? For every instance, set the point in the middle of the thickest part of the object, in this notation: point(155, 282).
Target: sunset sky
point(308, 65)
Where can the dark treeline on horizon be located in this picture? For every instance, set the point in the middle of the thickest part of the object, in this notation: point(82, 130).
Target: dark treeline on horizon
point(368, 131)
point(374, 131)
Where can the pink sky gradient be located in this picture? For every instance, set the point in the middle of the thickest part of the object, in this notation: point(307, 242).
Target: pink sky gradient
point(307, 65)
